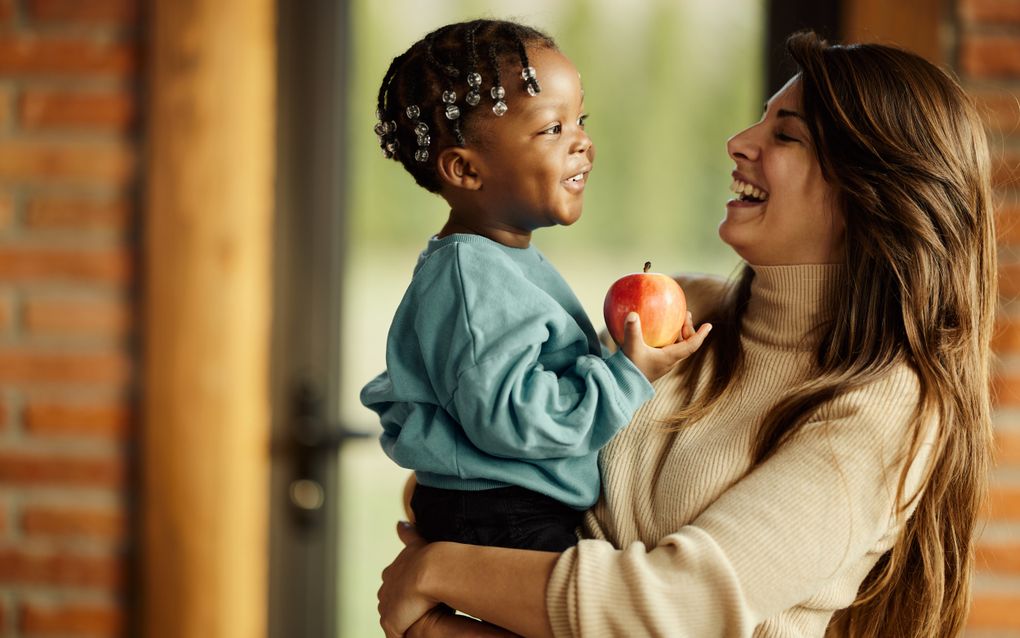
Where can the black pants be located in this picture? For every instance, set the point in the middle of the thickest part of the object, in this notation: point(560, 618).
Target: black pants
point(500, 517)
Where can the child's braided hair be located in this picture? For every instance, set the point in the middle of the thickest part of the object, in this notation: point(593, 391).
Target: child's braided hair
point(437, 75)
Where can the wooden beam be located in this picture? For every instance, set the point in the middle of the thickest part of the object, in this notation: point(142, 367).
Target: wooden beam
point(914, 25)
point(208, 212)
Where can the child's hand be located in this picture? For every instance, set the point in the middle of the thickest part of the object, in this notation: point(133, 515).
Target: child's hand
point(655, 362)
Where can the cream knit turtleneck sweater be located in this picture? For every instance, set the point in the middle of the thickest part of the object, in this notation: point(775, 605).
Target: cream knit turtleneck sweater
point(689, 541)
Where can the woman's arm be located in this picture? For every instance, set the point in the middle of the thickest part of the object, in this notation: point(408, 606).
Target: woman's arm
point(506, 587)
point(768, 543)
point(442, 622)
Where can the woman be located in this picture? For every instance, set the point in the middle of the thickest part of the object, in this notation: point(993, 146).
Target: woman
point(818, 469)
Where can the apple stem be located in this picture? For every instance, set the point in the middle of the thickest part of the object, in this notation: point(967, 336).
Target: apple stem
point(648, 265)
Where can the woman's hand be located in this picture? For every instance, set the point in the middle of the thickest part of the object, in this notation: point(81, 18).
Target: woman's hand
point(655, 362)
point(441, 622)
point(401, 601)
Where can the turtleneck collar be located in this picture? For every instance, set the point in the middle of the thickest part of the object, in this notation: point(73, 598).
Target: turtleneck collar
point(788, 304)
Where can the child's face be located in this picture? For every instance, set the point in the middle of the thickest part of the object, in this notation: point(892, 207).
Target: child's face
point(534, 161)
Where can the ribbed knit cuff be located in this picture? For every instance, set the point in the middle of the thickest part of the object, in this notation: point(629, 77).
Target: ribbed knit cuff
point(557, 594)
point(634, 387)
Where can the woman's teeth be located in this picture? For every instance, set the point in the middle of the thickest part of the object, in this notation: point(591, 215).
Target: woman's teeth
point(748, 192)
point(576, 178)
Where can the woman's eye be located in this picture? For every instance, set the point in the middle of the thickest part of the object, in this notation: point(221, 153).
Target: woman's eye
point(783, 137)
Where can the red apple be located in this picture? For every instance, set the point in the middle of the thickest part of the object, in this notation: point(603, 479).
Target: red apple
point(657, 299)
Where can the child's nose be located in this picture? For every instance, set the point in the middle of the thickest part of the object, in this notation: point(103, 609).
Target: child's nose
point(583, 142)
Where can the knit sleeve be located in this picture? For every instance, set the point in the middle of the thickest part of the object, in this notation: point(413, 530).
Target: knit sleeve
point(823, 501)
point(532, 389)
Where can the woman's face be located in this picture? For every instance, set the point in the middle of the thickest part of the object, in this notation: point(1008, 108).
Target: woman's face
point(784, 212)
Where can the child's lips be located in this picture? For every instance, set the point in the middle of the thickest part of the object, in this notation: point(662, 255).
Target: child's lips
point(575, 183)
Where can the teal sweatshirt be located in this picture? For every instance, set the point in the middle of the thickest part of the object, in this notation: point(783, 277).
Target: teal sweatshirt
point(495, 376)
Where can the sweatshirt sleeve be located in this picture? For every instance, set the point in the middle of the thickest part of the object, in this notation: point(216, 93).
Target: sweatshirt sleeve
point(527, 387)
point(823, 501)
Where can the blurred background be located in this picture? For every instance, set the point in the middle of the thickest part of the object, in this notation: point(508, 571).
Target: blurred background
point(201, 248)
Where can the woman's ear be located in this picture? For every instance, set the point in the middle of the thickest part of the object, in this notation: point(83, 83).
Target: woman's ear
point(458, 167)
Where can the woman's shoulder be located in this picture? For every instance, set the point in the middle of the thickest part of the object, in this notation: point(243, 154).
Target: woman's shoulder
point(704, 293)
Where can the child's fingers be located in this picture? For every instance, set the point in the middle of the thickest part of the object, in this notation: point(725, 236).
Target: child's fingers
point(688, 328)
point(690, 345)
point(698, 337)
point(632, 337)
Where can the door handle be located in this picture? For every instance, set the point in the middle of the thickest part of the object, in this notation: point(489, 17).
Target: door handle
point(312, 439)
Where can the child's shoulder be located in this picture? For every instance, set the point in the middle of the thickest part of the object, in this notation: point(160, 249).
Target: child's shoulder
point(468, 255)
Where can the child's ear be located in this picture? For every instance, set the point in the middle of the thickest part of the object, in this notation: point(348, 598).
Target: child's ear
point(458, 167)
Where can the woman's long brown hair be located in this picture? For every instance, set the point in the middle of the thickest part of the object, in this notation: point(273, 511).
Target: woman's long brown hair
point(905, 152)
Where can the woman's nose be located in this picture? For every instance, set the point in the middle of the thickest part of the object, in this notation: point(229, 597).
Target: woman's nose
point(744, 145)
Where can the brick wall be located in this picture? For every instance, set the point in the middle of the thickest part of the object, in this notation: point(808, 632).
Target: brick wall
point(69, 166)
point(987, 59)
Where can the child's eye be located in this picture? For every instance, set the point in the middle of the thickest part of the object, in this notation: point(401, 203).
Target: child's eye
point(555, 129)
point(581, 121)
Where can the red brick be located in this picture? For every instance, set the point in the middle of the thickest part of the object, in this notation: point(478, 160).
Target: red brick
point(998, 558)
point(1006, 337)
point(104, 163)
point(50, 417)
point(31, 366)
point(6, 210)
point(1007, 448)
point(1004, 503)
point(52, 469)
point(41, 109)
point(6, 314)
point(1000, 110)
point(1009, 282)
point(1007, 224)
point(21, 566)
point(64, 213)
point(1005, 389)
point(71, 619)
point(70, 316)
point(995, 611)
point(6, 103)
point(992, 11)
point(65, 55)
point(27, 264)
point(988, 56)
point(108, 524)
point(1006, 169)
point(119, 12)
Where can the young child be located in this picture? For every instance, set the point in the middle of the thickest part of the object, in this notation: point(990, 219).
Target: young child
point(496, 391)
